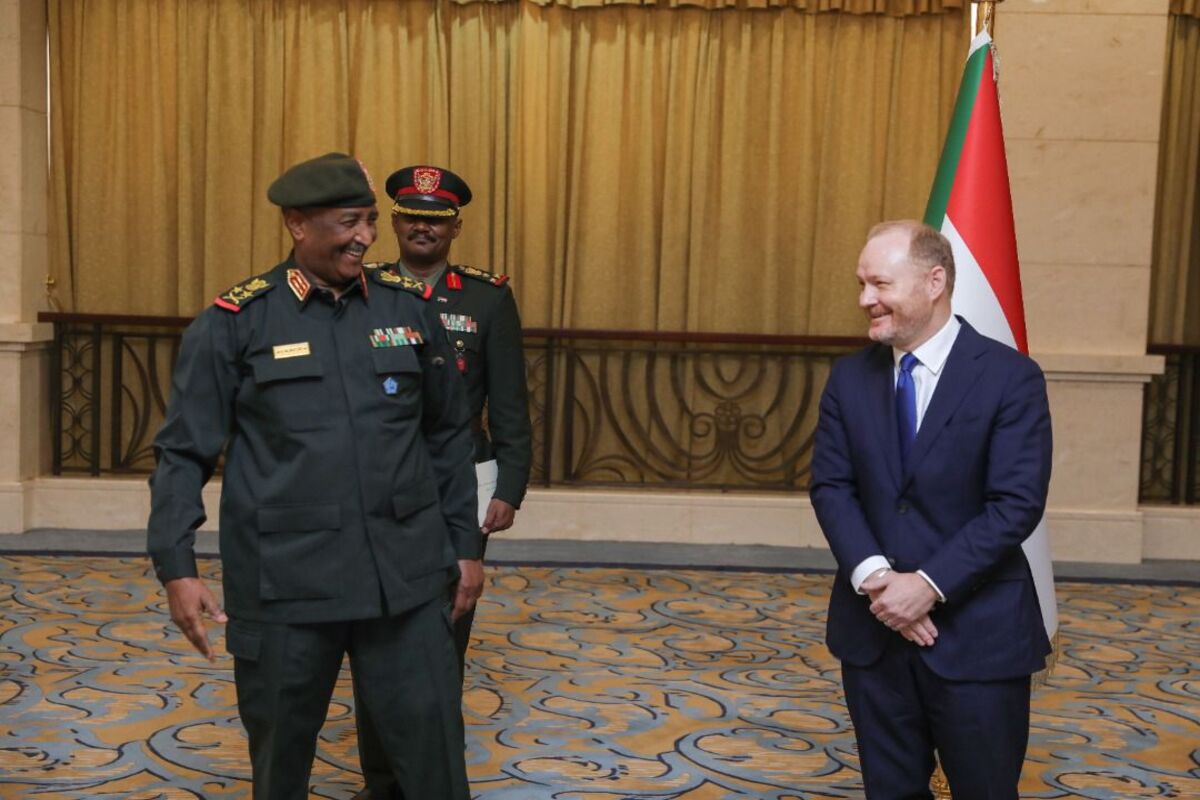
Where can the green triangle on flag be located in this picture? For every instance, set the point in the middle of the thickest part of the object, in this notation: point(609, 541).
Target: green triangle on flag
point(970, 203)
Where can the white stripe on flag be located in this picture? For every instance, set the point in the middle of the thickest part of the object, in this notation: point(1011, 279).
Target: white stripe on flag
point(973, 298)
point(975, 302)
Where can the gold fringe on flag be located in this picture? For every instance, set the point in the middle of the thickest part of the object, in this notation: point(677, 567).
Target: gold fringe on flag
point(939, 785)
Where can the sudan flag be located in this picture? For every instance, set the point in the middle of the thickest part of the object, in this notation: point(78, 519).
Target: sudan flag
point(971, 205)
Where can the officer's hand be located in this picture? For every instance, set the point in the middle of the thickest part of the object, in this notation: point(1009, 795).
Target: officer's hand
point(190, 602)
point(499, 517)
point(469, 586)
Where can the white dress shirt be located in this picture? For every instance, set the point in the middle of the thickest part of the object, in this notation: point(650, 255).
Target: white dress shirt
point(931, 358)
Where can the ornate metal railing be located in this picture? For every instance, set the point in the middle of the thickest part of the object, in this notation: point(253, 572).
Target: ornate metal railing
point(722, 411)
point(109, 380)
point(1171, 428)
point(610, 408)
point(667, 409)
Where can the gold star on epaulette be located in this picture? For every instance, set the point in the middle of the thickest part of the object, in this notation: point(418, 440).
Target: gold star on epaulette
point(481, 275)
point(237, 297)
point(388, 278)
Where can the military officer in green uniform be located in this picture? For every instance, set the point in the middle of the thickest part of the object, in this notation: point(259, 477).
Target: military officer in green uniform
point(480, 315)
point(348, 516)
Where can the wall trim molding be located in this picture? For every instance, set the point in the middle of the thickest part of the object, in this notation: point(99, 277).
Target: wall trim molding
point(679, 517)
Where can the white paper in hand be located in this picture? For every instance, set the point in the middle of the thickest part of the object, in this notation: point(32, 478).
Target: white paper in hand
point(486, 473)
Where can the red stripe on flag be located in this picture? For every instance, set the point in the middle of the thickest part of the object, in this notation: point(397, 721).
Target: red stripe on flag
point(981, 205)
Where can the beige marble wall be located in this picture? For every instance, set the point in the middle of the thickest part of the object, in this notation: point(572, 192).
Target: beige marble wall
point(1081, 94)
point(23, 255)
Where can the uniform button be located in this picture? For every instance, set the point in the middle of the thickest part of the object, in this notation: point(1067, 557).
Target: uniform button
point(903, 508)
point(460, 344)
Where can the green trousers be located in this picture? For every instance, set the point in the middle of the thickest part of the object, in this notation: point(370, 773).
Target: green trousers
point(406, 679)
point(371, 753)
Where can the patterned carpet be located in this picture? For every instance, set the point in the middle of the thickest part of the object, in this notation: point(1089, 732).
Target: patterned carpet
point(585, 684)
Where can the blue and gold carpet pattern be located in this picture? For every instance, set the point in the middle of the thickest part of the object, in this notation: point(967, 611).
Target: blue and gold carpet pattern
point(583, 684)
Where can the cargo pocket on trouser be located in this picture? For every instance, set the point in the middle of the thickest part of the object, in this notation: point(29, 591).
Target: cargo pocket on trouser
point(299, 556)
point(243, 639)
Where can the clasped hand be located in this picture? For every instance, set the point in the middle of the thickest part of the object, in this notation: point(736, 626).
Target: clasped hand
point(902, 601)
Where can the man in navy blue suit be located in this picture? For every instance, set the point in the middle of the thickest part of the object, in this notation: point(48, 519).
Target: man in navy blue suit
point(931, 466)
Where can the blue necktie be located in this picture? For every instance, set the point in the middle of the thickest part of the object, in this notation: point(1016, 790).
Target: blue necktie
point(906, 405)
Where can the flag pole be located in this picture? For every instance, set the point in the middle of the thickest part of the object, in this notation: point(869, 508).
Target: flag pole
point(984, 15)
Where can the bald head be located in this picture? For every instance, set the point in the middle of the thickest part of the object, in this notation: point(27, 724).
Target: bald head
point(927, 247)
point(905, 276)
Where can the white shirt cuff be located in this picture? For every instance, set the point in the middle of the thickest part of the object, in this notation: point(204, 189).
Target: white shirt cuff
point(865, 568)
point(932, 585)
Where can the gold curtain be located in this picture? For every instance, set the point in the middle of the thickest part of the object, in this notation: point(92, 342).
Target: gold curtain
point(1175, 277)
point(1190, 8)
point(642, 168)
point(896, 8)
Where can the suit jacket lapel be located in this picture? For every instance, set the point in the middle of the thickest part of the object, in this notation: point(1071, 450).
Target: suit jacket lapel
point(881, 389)
point(961, 371)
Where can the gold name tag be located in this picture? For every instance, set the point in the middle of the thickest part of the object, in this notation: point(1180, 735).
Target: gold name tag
point(291, 350)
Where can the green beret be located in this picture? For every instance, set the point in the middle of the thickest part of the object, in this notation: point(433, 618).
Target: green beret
point(334, 180)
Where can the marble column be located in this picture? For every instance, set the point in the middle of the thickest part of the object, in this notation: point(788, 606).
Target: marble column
point(24, 428)
point(1081, 84)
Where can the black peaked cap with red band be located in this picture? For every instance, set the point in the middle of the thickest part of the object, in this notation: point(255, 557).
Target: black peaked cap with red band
point(427, 191)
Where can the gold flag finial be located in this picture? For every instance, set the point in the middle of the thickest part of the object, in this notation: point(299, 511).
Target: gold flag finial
point(51, 296)
point(939, 785)
point(985, 16)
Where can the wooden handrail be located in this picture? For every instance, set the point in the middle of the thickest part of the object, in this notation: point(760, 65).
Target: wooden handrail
point(682, 337)
point(114, 319)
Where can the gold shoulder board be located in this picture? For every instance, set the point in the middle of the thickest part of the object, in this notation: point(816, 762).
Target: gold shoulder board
point(386, 277)
point(237, 297)
point(481, 275)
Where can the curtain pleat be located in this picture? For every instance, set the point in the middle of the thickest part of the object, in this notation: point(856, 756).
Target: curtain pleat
point(895, 8)
point(1175, 272)
point(633, 167)
point(1188, 8)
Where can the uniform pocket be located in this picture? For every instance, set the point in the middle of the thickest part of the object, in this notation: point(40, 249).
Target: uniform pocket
point(299, 553)
point(399, 373)
point(421, 530)
point(291, 390)
point(419, 495)
point(270, 369)
point(395, 359)
point(243, 640)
